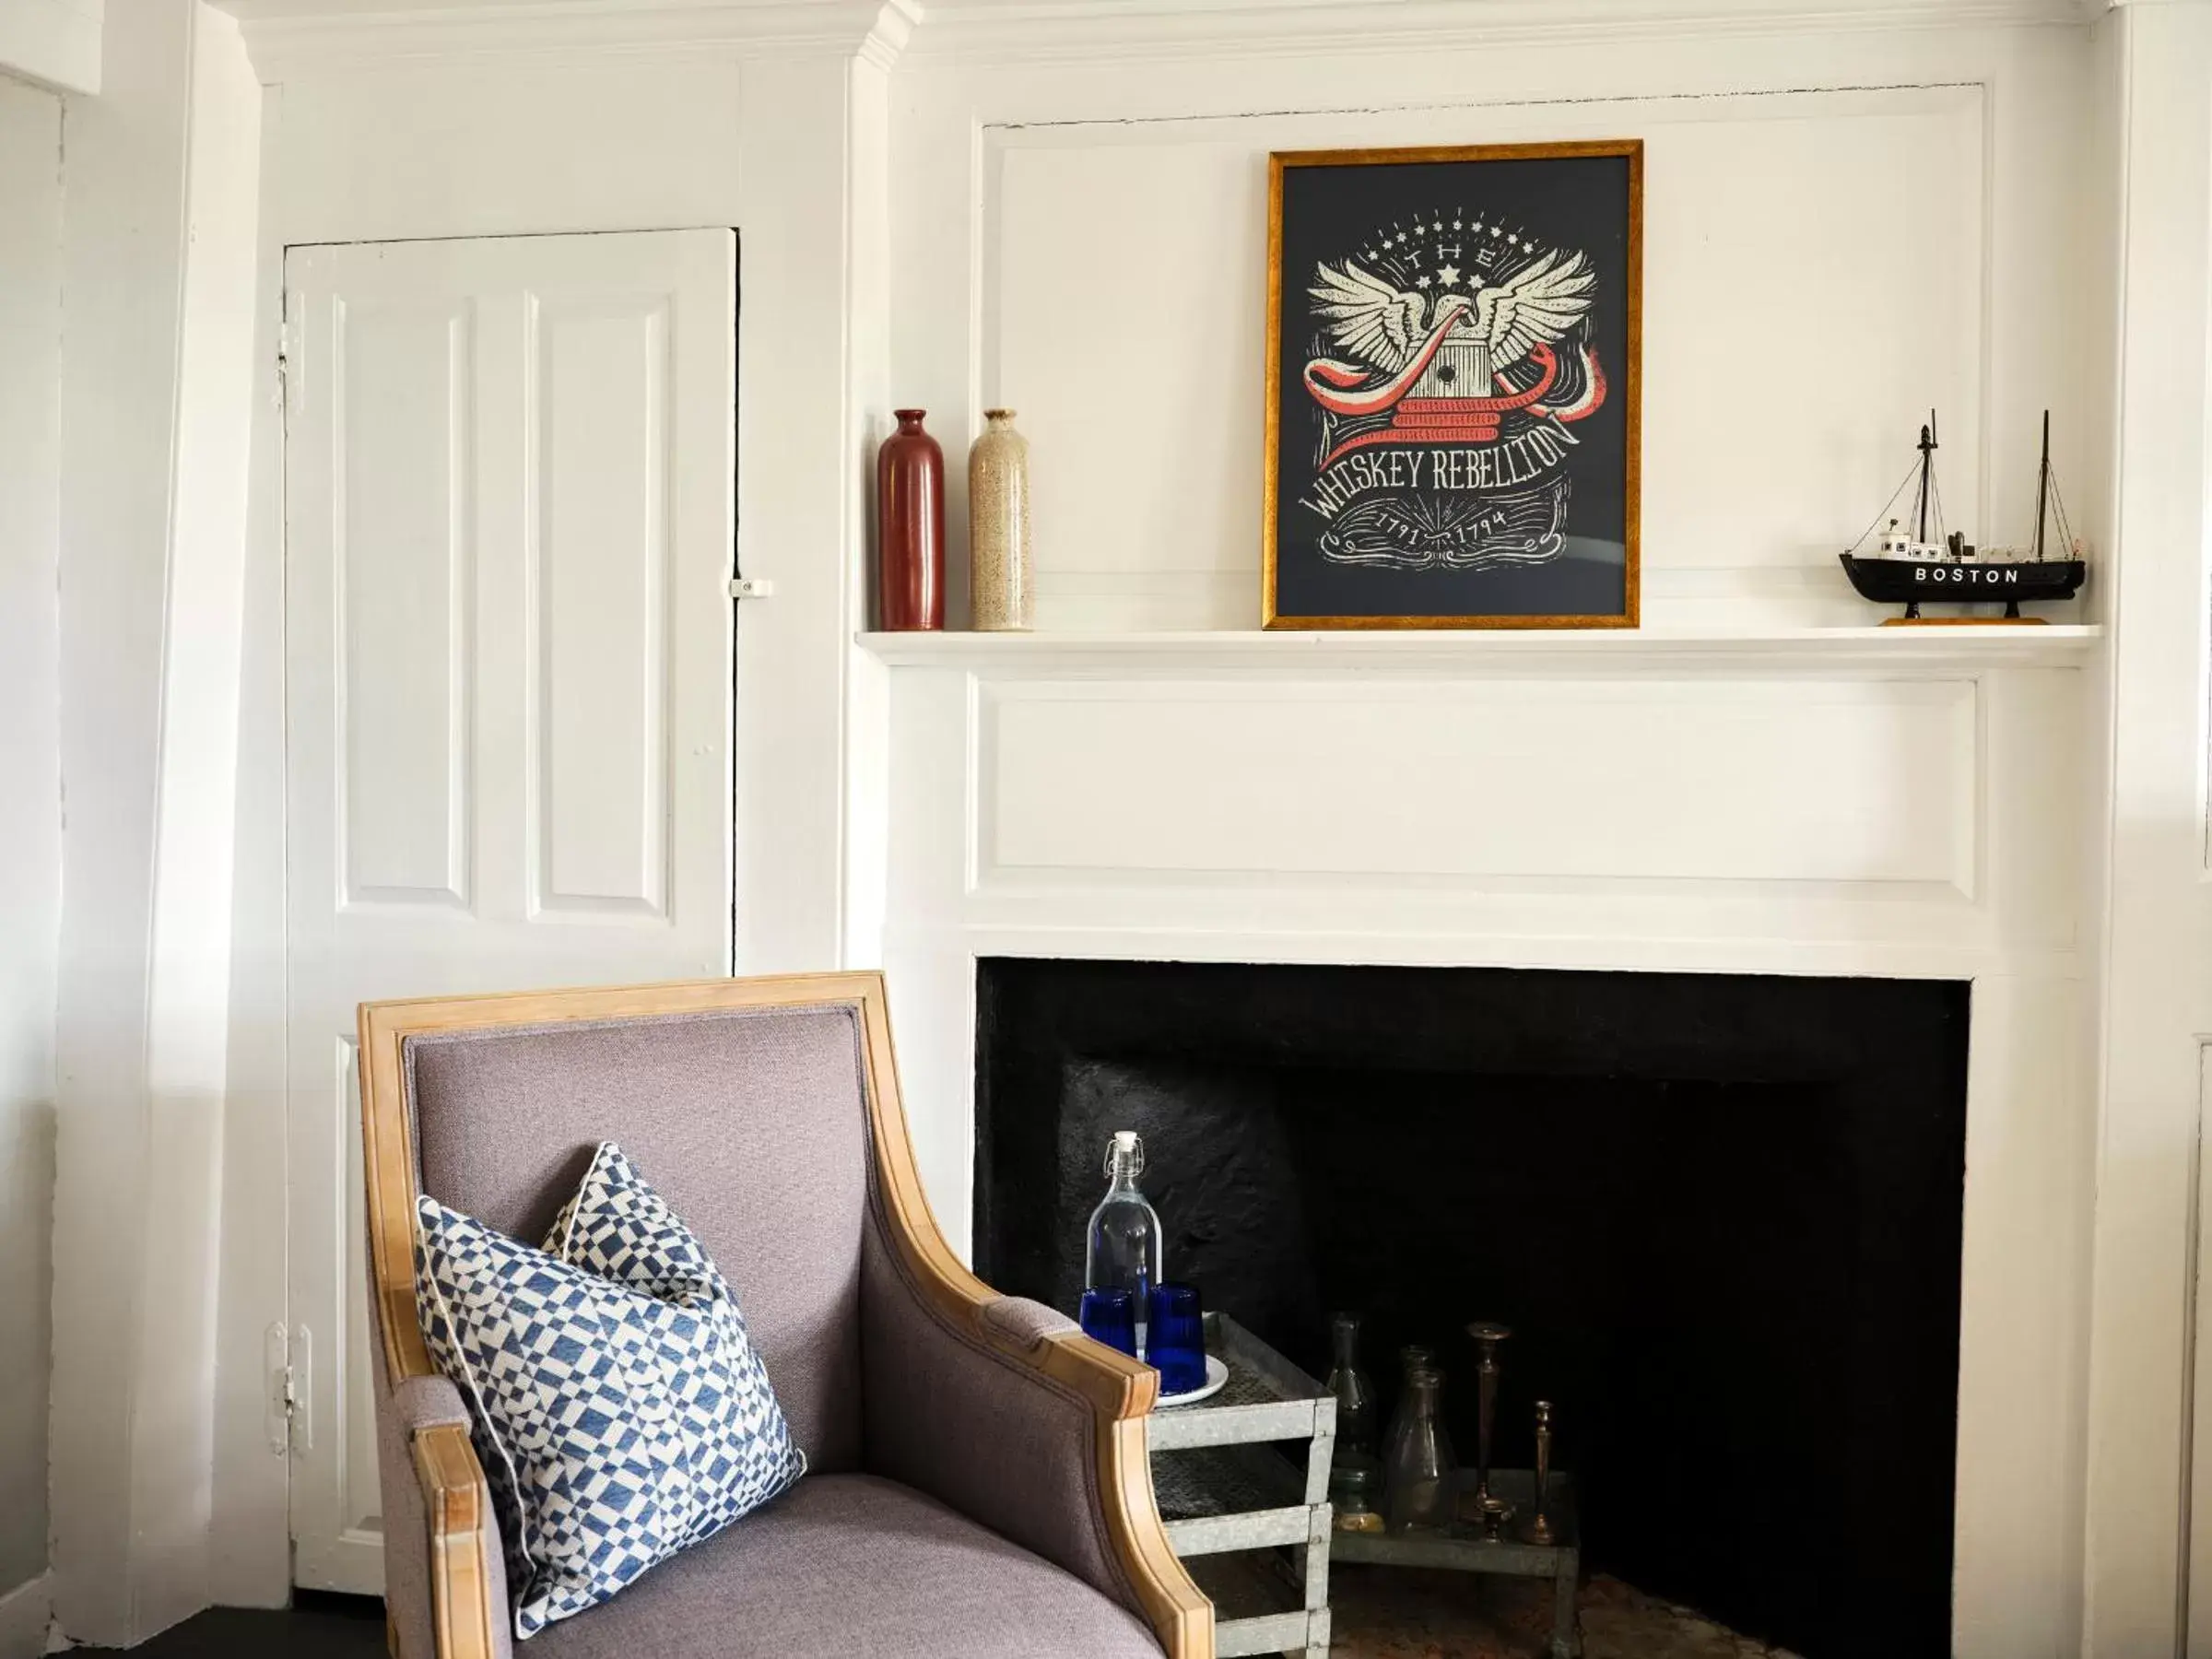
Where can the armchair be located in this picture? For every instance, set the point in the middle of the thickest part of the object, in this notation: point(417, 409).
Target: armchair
point(978, 1478)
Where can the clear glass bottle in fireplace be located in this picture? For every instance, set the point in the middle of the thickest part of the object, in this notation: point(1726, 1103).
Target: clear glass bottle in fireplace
point(1420, 1479)
point(1122, 1247)
point(1355, 1405)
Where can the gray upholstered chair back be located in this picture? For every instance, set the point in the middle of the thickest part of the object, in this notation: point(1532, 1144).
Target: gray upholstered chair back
point(752, 1123)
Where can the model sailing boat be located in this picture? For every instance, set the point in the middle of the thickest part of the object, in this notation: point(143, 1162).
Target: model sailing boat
point(1912, 565)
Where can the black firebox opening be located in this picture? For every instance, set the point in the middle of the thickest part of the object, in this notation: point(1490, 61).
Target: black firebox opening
point(1722, 1214)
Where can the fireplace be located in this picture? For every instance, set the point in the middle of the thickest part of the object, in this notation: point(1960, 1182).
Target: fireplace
point(1723, 1213)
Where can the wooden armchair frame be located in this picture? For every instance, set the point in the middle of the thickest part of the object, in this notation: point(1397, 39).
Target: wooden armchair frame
point(462, 1531)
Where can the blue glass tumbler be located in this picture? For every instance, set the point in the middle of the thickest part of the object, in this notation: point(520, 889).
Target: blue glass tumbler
point(1176, 1345)
point(1109, 1316)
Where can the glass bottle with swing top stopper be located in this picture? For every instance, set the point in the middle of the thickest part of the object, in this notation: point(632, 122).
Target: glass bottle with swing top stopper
point(1121, 1248)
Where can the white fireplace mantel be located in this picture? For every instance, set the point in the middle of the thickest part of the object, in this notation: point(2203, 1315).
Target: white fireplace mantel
point(1580, 650)
point(1856, 800)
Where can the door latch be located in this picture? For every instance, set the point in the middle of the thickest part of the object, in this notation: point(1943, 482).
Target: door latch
point(290, 1422)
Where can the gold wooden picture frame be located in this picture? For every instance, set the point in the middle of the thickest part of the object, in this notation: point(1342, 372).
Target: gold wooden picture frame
point(1453, 403)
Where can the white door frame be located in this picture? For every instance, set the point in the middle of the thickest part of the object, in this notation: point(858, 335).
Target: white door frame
point(482, 841)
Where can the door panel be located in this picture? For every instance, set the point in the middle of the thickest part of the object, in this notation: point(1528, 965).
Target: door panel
point(508, 513)
point(404, 575)
point(600, 652)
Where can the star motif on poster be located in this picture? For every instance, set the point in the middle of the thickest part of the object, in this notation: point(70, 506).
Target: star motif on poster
point(1450, 274)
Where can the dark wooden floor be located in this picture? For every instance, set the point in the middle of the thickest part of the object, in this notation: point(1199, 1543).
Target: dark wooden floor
point(317, 1627)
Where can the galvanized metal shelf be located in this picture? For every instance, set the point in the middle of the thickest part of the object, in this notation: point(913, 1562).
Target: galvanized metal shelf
point(1222, 1486)
point(1464, 1550)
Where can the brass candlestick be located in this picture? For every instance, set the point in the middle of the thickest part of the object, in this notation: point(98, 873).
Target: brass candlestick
point(1487, 1335)
point(1539, 1527)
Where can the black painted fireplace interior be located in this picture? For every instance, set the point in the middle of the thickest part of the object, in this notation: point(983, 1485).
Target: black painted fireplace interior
point(1722, 1214)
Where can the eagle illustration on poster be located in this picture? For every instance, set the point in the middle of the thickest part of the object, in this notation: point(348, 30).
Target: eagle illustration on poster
point(1442, 370)
point(1461, 364)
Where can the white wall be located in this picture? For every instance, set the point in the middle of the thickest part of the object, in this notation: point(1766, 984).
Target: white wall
point(1024, 180)
point(30, 825)
point(1842, 229)
point(2155, 1085)
point(158, 305)
point(641, 140)
point(664, 145)
point(1844, 226)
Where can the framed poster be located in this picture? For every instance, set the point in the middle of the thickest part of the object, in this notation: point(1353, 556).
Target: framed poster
point(1452, 386)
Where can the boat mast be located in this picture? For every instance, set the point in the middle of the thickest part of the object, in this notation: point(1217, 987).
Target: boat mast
point(2042, 488)
point(1928, 463)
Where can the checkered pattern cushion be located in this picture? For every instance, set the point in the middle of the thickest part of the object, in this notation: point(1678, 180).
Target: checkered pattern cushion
point(619, 1407)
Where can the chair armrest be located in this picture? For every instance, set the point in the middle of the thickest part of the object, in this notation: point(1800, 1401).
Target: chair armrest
point(467, 1568)
point(1021, 1325)
point(997, 1407)
point(1121, 1392)
point(1002, 1409)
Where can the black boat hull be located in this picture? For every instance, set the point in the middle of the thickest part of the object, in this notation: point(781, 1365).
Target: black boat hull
point(1914, 582)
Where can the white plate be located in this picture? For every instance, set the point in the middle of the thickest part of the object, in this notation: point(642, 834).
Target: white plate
point(1217, 1378)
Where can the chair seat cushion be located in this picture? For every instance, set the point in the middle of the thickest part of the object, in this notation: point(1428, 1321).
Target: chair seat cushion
point(854, 1567)
point(619, 1407)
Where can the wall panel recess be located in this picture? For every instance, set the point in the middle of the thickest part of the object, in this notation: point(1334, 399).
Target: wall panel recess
point(1857, 785)
point(1789, 355)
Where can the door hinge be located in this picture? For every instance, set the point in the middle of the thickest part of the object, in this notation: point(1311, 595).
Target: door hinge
point(751, 587)
point(290, 1422)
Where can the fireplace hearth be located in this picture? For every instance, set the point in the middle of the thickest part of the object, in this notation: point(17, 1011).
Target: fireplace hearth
point(1722, 1214)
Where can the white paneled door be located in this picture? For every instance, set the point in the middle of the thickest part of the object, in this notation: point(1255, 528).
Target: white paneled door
point(510, 497)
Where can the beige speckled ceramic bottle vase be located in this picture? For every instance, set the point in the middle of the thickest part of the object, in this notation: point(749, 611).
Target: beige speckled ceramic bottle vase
point(1001, 583)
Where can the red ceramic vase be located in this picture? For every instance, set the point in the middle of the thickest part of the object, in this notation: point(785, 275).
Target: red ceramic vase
point(910, 517)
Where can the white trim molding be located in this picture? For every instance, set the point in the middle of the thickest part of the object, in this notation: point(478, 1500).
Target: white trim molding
point(25, 1613)
point(2196, 1445)
point(290, 39)
point(2155, 995)
point(56, 42)
point(1007, 30)
point(293, 39)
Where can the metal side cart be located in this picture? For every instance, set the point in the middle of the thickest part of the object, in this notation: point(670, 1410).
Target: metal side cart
point(1519, 1521)
point(1226, 1486)
point(1474, 1549)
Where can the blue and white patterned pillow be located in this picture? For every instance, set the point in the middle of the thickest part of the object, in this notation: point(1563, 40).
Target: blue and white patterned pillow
point(619, 1409)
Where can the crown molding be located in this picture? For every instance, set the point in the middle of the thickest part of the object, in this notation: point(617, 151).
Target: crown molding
point(1021, 30)
point(54, 43)
point(289, 40)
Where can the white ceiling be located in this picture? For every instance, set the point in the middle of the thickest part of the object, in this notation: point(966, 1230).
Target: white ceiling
point(1047, 12)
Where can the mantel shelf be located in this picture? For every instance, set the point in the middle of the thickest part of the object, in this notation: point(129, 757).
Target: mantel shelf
point(1595, 650)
